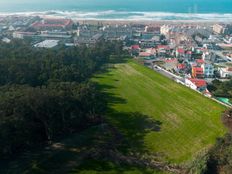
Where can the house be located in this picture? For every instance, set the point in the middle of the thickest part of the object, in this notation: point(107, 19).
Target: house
point(53, 24)
point(146, 55)
point(200, 62)
point(225, 72)
point(206, 55)
point(6, 40)
point(188, 54)
point(162, 50)
point(151, 50)
point(180, 52)
point(135, 49)
point(208, 70)
point(197, 72)
point(23, 35)
point(181, 67)
point(170, 64)
point(207, 93)
point(196, 84)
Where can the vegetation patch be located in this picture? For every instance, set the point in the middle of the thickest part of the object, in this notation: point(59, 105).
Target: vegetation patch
point(158, 116)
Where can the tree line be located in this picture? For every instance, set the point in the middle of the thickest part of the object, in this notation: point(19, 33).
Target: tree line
point(221, 89)
point(46, 93)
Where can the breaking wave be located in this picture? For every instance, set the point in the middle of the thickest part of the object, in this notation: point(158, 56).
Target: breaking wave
point(131, 16)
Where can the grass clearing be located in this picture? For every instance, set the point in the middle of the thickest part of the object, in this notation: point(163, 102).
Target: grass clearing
point(153, 113)
point(188, 122)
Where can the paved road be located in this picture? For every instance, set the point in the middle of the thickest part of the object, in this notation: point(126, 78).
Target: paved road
point(166, 73)
point(219, 53)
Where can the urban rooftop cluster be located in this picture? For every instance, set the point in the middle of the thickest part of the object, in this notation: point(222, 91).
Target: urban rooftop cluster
point(193, 54)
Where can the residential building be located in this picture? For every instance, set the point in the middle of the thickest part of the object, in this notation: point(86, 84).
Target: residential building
point(197, 72)
point(162, 50)
point(208, 69)
point(180, 52)
point(135, 49)
point(53, 24)
point(22, 35)
point(220, 29)
point(170, 64)
point(196, 84)
point(225, 72)
point(146, 55)
point(165, 29)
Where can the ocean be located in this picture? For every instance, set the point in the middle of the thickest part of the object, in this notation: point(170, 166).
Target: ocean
point(220, 10)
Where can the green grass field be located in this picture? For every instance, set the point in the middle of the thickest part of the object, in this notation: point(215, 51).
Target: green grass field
point(154, 116)
point(141, 99)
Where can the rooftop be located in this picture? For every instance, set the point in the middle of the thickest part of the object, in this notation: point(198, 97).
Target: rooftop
point(198, 82)
point(47, 44)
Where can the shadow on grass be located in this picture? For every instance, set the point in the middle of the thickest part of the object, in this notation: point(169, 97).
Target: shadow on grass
point(133, 126)
point(106, 69)
point(122, 132)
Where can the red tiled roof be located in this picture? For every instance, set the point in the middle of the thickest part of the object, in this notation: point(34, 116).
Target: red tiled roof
point(198, 70)
point(52, 23)
point(166, 47)
point(171, 60)
point(151, 50)
point(189, 52)
point(180, 50)
point(200, 61)
point(181, 66)
point(144, 54)
point(135, 47)
point(198, 82)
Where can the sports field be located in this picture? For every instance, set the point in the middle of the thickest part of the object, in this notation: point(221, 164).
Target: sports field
point(158, 115)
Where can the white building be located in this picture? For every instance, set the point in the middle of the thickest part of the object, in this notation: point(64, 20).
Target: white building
point(196, 84)
point(6, 40)
point(206, 56)
point(228, 40)
point(18, 35)
point(22, 35)
point(219, 29)
point(47, 44)
point(225, 72)
point(165, 29)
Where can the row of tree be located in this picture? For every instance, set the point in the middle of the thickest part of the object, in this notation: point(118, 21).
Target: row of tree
point(46, 94)
point(221, 89)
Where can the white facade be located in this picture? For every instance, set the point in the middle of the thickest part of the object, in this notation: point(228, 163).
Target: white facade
point(47, 44)
point(225, 72)
point(219, 29)
point(228, 40)
point(165, 29)
point(206, 56)
point(18, 35)
point(190, 84)
point(6, 40)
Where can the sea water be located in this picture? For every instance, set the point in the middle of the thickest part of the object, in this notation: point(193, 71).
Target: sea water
point(124, 9)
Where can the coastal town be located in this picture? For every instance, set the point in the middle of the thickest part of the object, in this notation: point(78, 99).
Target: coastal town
point(193, 54)
point(116, 87)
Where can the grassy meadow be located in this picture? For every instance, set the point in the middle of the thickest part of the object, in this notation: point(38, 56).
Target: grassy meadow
point(151, 113)
point(159, 116)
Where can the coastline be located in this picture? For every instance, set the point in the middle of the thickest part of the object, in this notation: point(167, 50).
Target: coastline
point(112, 16)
